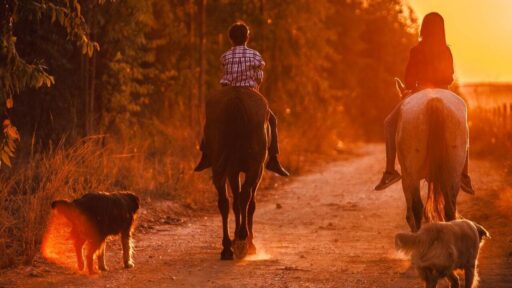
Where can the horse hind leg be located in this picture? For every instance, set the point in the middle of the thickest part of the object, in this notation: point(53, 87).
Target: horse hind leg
point(223, 205)
point(251, 209)
point(250, 216)
point(450, 202)
point(417, 205)
point(411, 189)
point(234, 182)
point(241, 241)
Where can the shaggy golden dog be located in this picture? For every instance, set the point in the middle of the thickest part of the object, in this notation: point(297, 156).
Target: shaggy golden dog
point(438, 249)
point(94, 217)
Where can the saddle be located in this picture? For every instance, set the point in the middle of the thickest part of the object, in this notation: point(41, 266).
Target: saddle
point(404, 92)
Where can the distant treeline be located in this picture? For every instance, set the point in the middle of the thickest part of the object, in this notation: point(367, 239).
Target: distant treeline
point(330, 63)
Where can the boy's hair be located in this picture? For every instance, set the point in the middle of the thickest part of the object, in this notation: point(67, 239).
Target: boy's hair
point(239, 33)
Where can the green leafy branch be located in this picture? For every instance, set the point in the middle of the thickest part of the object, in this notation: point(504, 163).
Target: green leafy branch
point(9, 143)
point(15, 73)
point(70, 17)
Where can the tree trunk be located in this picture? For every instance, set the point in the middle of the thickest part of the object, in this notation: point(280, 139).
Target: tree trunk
point(85, 91)
point(92, 95)
point(202, 59)
point(89, 78)
point(191, 29)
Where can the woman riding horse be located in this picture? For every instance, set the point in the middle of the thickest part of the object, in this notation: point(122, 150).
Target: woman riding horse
point(430, 66)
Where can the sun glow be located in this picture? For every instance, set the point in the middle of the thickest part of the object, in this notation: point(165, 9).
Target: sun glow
point(478, 33)
point(57, 246)
point(259, 256)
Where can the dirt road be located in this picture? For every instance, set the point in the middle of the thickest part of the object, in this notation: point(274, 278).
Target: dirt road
point(325, 229)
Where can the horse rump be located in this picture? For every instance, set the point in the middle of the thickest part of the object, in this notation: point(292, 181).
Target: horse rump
point(234, 132)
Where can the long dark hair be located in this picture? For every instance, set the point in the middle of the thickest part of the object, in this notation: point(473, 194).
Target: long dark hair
point(433, 47)
point(432, 30)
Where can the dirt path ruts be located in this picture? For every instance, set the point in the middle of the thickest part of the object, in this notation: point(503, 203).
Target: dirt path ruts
point(330, 229)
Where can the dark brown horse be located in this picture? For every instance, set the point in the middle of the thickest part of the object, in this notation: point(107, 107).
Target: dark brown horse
point(236, 142)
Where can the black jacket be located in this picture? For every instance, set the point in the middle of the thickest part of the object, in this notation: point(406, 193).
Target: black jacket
point(429, 68)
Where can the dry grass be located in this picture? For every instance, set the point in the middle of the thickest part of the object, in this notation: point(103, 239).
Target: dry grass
point(491, 137)
point(92, 164)
point(156, 163)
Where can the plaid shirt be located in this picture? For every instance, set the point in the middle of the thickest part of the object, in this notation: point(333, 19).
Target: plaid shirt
point(243, 67)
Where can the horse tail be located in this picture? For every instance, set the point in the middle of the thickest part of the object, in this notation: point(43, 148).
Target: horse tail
point(235, 126)
point(436, 155)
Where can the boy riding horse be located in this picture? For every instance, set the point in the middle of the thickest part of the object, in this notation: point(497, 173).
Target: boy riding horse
point(243, 67)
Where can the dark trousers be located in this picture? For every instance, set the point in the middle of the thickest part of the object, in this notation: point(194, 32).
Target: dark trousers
point(273, 149)
point(390, 124)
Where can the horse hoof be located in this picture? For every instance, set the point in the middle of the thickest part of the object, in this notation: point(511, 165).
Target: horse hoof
point(240, 248)
point(226, 255)
point(251, 250)
point(93, 272)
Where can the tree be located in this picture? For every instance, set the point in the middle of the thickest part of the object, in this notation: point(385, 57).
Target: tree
point(387, 36)
point(16, 73)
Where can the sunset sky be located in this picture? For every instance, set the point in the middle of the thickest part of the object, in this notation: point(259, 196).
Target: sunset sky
point(479, 34)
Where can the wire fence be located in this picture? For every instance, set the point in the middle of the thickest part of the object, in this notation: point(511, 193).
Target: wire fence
point(491, 101)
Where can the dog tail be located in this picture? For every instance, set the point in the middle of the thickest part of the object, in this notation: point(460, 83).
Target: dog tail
point(406, 242)
point(65, 208)
point(481, 232)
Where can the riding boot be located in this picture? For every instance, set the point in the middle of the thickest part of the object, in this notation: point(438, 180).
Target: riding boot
point(204, 163)
point(273, 150)
point(388, 179)
point(465, 181)
point(274, 166)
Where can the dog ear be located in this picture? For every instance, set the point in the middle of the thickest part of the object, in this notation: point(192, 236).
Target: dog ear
point(406, 242)
point(57, 203)
point(134, 201)
point(481, 231)
point(65, 208)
